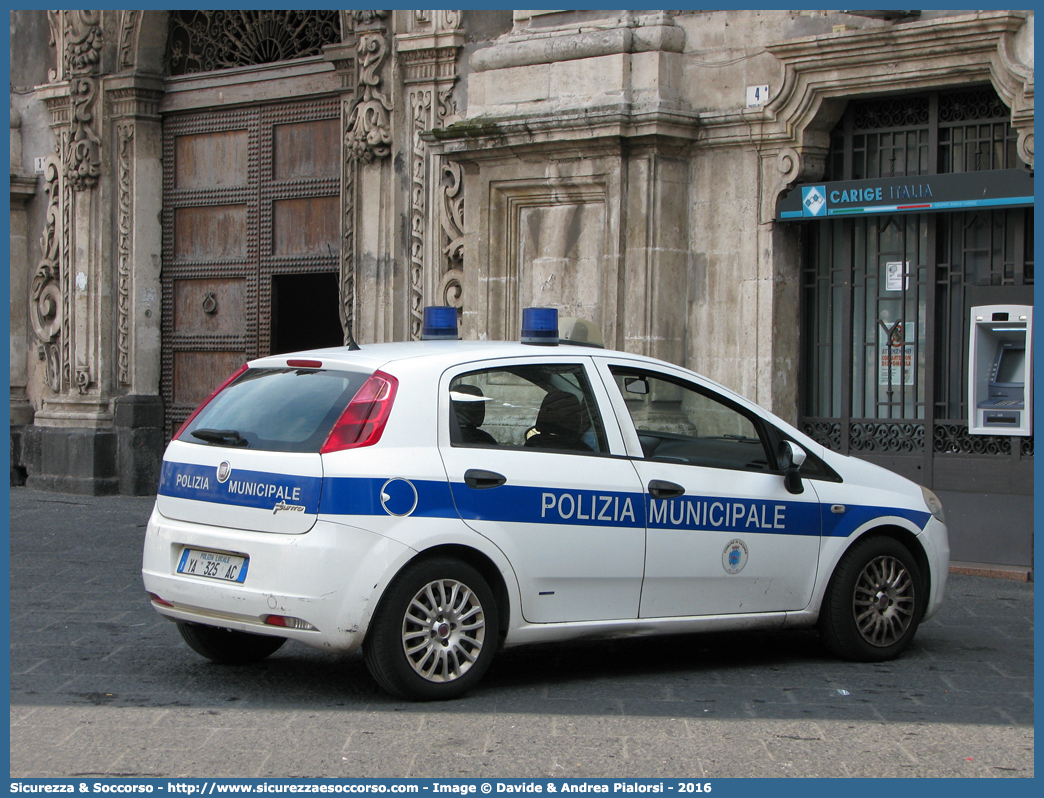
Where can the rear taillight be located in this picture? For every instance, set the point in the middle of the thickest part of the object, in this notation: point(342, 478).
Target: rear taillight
point(362, 422)
point(207, 401)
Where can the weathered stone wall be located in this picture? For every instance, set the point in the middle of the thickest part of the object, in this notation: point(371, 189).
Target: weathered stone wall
point(605, 162)
point(718, 290)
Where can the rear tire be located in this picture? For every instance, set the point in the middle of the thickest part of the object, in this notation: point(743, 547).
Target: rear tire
point(227, 646)
point(874, 603)
point(434, 632)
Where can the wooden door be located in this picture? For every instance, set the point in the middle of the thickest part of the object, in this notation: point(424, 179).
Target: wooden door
point(250, 197)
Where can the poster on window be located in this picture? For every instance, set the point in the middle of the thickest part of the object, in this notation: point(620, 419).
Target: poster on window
point(896, 346)
point(897, 275)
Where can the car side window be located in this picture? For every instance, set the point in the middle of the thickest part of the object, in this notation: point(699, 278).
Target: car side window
point(539, 406)
point(678, 422)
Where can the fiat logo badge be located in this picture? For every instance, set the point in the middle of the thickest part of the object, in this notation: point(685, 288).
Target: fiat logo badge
point(224, 472)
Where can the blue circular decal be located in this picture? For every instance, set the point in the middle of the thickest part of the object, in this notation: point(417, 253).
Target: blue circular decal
point(399, 497)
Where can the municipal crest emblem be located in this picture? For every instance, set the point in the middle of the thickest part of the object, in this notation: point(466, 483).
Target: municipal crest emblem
point(734, 557)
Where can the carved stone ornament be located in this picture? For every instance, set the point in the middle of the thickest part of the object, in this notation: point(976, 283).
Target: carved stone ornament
point(47, 307)
point(369, 126)
point(439, 20)
point(420, 110)
point(83, 380)
point(129, 38)
point(450, 287)
point(84, 160)
point(348, 186)
point(77, 36)
point(368, 17)
point(124, 144)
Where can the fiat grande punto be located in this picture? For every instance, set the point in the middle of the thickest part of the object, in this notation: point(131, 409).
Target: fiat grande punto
point(432, 502)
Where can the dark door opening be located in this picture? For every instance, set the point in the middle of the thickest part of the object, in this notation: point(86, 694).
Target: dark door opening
point(305, 312)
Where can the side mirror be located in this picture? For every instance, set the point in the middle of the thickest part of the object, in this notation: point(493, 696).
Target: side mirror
point(791, 457)
point(636, 385)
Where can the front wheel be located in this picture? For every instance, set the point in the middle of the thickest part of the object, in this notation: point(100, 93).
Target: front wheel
point(874, 603)
point(227, 646)
point(434, 632)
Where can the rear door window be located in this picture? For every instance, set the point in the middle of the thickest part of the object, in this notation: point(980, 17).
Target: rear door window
point(276, 410)
point(538, 406)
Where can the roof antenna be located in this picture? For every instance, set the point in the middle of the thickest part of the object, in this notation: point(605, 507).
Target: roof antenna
point(349, 338)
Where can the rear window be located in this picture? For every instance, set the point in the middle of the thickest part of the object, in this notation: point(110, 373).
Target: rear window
point(276, 410)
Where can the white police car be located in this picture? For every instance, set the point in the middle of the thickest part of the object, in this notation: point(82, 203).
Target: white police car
point(433, 501)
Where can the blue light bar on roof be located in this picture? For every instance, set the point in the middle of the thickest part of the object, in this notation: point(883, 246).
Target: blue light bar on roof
point(440, 324)
point(540, 326)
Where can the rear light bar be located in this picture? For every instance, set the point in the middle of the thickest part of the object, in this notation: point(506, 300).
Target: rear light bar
point(287, 622)
point(157, 600)
point(362, 422)
point(305, 364)
point(207, 401)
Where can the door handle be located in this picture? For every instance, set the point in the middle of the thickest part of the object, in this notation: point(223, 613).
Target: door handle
point(662, 489)
point(477, 478)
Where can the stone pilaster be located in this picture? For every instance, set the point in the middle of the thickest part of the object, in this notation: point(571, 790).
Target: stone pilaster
point(23, 188)
point(136, 141)
point(133, 101)
point(71, 446)
point(365, 145)
point(70, 296)
point(428, 56)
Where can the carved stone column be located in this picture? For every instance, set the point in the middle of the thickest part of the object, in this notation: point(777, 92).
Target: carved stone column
point(71, 446)
point(428, 53)
point(134, 114)
point(69, 290)
point(365, 142)
point(135, 138)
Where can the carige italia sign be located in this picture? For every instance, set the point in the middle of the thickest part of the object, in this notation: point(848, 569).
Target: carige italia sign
point(1001, 188)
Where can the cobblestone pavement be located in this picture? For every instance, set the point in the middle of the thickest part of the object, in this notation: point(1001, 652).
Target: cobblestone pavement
point(102, 686)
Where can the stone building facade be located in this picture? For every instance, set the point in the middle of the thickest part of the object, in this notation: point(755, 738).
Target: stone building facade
point(193, 189)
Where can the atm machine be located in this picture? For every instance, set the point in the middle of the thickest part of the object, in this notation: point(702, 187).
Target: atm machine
point(1000, 370)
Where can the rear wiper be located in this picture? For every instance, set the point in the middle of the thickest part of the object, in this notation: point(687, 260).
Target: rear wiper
point(229, 437)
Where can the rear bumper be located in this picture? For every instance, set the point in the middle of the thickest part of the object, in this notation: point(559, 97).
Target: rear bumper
point(328, 577)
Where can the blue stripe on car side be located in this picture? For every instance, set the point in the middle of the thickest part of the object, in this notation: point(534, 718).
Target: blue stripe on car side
point(539, 505)
point(256, 489)
point(856, 515)
point(361, 496)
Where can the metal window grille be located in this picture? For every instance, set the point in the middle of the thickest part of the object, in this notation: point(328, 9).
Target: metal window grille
point(202, 41)
point(885, 297)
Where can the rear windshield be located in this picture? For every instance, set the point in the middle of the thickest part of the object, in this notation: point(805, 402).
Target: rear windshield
point(276, 410)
